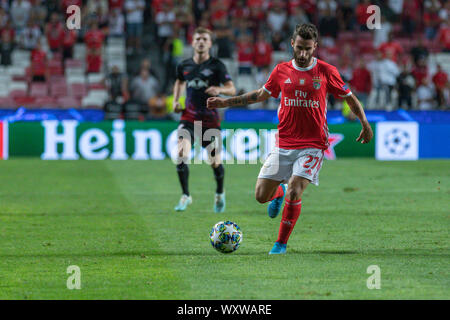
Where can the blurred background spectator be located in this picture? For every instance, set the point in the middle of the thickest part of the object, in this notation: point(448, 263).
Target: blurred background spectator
point(20, 13)
point(134, 10)
point(144, 87)
point(425, 95)
point(117, 85)
point(6, 49)
point(403, 64)
point(440, 81)
point(361, 82)
point(39, 63)
point(157, 107)
point(405, 87)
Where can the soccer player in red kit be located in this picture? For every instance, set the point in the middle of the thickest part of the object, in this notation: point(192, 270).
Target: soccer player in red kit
point(304, 83)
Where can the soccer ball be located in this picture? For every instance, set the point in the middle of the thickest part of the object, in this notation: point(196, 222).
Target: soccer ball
point(225, 236)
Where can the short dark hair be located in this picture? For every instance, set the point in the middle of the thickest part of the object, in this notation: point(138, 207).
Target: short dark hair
point(307, 31)
point(202, 30)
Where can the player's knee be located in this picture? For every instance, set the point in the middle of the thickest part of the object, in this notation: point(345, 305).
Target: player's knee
point(260, 196)
point(182, 167)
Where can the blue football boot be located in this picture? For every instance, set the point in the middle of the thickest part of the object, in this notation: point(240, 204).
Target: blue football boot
point(274, 207)
point(278, 248)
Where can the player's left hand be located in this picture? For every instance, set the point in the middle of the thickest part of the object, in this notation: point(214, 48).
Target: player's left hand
point(213, 91)
point(366, 133)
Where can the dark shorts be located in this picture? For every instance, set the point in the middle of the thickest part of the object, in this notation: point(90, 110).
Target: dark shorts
point(208, 140)
point(134, 29)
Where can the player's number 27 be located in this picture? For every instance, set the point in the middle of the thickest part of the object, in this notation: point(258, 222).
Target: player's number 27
point(307, 163)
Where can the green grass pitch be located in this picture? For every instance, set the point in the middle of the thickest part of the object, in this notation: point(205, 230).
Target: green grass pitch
point(115, 220)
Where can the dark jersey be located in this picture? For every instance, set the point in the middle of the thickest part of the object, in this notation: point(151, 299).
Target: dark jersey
point(198, 78)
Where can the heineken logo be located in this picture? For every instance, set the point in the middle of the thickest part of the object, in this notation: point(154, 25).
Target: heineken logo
point(121, 140)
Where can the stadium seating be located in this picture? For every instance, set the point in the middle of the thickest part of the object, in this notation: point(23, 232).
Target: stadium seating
point(68, 82)
point(95, 78)
point(75, 79)
point(7, 102)
point(58, 89)
point(45, 102)
point(4, 89)
point(18, 89)
point(17, 73)
point(95, 99)
point(55, 67)
point(74, 63)
point(78, 90)
point(24, 101)
point(69, 102)
point(39, 89)
point(21, 57)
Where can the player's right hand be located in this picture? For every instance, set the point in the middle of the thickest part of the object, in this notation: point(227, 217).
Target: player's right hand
point(215, 103)
point(177, 107)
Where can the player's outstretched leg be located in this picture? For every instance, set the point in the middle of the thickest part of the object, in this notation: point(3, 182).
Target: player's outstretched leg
point(274, 207)
point(219, 199)
point(183, 176)
point(291, 212)
point(290, 215)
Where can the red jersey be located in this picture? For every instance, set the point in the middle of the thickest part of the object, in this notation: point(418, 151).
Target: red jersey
point(94, 63)
point(69, 38)
point(361, 80)
point(303, 107)
point(255, 3)
point(67, 3)
point(444, 37)
point(55, 34)
point(115, 4)
point(94, 39)
point(440, 80)
point(419, 74)
point(38, 62)
point(308, 6)
point(361, 13)
point(262, 54)
point(245, 53)
point(393, 48)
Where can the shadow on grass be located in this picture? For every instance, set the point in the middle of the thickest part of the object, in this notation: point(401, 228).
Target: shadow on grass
point(328, 252)
point(145, 254)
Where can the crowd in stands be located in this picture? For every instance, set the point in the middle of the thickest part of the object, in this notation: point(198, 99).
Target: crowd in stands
point(391, 67)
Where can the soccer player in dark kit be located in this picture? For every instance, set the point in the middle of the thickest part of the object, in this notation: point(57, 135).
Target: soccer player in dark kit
point(304, 84)
point(203, 77)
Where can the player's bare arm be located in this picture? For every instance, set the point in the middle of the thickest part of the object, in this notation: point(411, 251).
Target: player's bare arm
point(366, 133)
point(177, 90)
point(227, 89)
point(242, 100)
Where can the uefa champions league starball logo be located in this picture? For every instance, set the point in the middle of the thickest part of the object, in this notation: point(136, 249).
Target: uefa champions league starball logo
point(397, 141)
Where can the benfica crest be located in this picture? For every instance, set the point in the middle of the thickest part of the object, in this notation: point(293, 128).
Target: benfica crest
point(316, 82)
